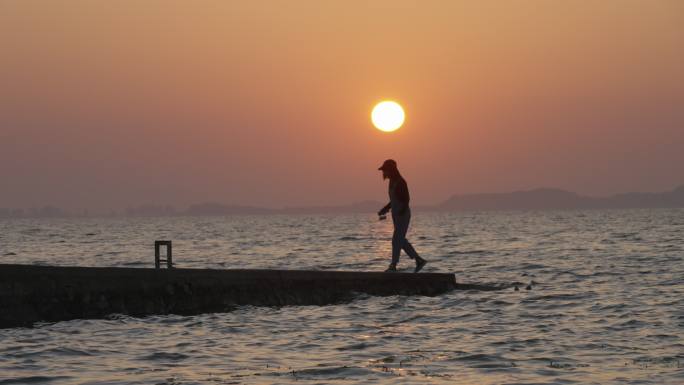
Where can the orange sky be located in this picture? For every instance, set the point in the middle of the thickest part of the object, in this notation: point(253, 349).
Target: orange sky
point(117, 103)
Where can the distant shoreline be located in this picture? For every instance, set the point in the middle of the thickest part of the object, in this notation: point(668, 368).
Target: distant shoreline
point(541, 199)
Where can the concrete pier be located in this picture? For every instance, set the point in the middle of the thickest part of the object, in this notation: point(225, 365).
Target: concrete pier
point(30, 294)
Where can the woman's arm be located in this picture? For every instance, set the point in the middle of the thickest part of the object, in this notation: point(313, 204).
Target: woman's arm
point(385, 209)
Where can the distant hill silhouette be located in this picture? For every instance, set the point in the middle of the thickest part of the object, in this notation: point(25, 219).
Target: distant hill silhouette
point(34, 212)
point(550, 199)
point(536, 199)
point(209, 209)
point(220, 209)
point(359, 207)
point(151, 210)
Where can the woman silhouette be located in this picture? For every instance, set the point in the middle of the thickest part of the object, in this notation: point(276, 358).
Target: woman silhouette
point(401, 215)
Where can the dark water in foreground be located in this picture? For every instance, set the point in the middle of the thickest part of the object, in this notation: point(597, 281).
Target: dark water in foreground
point(607, 303)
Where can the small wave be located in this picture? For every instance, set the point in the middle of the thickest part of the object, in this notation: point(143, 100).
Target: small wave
point(664, 361)
point(500, 303)
point(164, 356)
point(466, 252)
point(478, 358)
point(604, 274)
point(530, 266)
point(612, 307)
point(135, 263)
point(334, 371)
point(68, 352)
point(56, 352)
point(560, 297)
point(32, 380)
point(630, 324)
point(626, 235)
point(359, 346)
point(32, 231)
point(352, 238)
point(494, 365)
point(409, 319)
point(482, 286)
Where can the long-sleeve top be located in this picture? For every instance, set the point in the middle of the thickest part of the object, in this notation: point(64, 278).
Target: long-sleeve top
point(399, 196)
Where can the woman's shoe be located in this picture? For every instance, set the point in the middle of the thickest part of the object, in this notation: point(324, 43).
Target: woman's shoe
point(420, 262)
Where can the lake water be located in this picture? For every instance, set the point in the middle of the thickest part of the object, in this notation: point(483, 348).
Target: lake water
point(606, 305)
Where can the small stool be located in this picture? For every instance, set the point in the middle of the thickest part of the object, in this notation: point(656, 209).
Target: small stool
point(157, 259)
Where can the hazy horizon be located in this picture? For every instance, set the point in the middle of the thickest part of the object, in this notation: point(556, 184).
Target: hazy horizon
point(115, 104)
point(542, 198)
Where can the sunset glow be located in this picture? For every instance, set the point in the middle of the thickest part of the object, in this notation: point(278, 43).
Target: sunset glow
point(387, 116)
point(254, 103)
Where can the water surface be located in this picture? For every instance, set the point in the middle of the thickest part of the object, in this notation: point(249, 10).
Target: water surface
point(606, 304)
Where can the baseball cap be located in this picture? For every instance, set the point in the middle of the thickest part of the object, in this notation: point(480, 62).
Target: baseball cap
point(389, 164)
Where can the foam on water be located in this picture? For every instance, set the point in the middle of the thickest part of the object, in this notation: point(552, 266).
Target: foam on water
point(606, 304)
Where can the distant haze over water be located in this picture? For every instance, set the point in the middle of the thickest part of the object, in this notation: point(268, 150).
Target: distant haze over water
point(537, 199)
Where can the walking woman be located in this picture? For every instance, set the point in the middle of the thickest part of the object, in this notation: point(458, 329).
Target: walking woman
point(401, 215)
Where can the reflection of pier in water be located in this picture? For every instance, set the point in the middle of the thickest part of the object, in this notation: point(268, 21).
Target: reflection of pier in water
point(48, 293)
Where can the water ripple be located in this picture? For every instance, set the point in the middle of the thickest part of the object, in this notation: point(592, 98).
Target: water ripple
point(605, 303)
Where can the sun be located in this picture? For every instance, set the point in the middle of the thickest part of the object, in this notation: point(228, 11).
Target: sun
point(387, 116)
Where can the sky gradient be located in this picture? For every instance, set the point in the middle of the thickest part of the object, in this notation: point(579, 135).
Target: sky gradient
point(109, 104)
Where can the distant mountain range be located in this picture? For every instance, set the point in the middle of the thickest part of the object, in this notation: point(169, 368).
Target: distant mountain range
point(550, 199)
point(537, 199)
point(218, 209)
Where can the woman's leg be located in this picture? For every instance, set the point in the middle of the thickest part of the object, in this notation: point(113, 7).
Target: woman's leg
point(410, 251)
point(406, 246)
point(399, 237)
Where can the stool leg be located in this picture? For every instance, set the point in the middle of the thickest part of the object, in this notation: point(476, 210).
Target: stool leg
point(156, 255)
